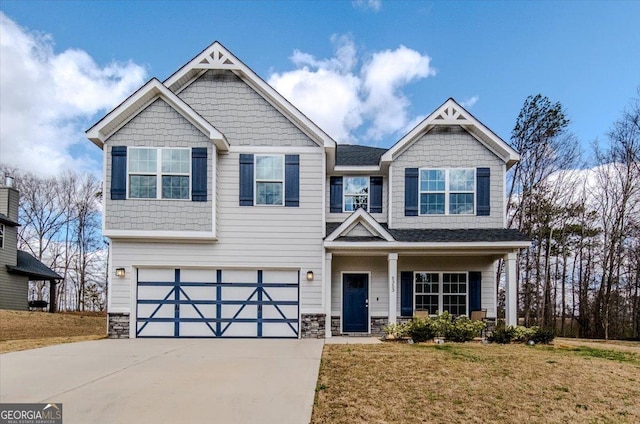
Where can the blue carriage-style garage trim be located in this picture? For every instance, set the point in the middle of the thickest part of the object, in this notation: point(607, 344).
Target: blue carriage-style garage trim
point(262, 309)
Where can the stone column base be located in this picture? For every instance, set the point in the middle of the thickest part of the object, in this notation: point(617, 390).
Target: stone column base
point(118, 326)
point(313, 326)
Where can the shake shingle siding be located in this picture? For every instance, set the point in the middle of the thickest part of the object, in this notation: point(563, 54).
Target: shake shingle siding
point(158, 125)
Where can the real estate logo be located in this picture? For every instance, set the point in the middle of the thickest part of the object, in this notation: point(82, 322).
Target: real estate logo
point(30, 413)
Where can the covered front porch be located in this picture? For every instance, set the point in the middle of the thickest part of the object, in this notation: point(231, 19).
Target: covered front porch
point(368, 287)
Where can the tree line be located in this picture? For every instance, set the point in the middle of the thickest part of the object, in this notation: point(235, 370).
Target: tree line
point(581, 274)
point(60, 225)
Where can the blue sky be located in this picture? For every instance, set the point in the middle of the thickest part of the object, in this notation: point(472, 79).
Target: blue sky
point(488, 55)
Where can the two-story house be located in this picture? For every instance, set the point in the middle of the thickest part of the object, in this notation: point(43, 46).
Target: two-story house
point(231, 214)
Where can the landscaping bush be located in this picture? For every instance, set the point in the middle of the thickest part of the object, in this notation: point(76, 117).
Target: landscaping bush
point(502, 335)
point(524, 334)
point(543, 336)
point(421, 329)
point(463, 329)
point(397, 331)
point(442, 324)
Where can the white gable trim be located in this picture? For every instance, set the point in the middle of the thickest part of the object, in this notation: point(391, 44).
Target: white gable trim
point(451, 113)
point(363, 217)
point(217, 57)
point(146, 95)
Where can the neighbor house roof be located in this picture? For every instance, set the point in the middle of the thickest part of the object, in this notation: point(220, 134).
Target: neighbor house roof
point(32, 268)
point(4, 219)
point(354, 155)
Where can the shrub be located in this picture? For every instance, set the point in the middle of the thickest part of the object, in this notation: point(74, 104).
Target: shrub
point(421, 329)
point(442, 324)
point(397, 331)
point(463, 329)
point(543, 336)
point(523, 334)
point(502, 335)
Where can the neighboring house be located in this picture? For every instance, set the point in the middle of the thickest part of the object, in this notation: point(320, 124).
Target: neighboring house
point(17, 268)
point(231, 214)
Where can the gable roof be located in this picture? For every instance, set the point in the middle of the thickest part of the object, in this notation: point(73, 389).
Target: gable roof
point(451, 113)
point(360, 217)
point(143, 97)
point(32, 268)
point(356, 155)
point(217, 57)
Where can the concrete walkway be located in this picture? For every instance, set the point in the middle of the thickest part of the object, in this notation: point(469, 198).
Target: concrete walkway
point(168, 381)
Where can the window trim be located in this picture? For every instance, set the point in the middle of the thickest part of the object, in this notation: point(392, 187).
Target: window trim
point(159, 174)
point(256, 180)
point(441, 294)
point(344, 192)
point(447, 191)
point(2, 235)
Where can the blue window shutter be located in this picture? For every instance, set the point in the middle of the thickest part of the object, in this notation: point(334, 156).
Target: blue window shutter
point(118, 172)
point(335, 195)
point(375, 184)
point(411, 192)
point(292, 180)
point(406, 293)
point(246, 180)
point(199, 174)
point(483, 191)
point(475, 282)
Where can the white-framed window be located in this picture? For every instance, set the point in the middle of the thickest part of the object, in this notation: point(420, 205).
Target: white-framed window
point(159, 173)
point(355, 193)
point(436, 292)
point(269, 172)
point(1, 236)
point(447, 191)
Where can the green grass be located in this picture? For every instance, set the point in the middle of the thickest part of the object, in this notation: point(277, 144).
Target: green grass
point(612, 355)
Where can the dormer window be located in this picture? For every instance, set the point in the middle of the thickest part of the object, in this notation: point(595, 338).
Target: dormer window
point(356, 193)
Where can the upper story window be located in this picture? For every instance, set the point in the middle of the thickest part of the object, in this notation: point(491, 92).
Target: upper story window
point(356, 193)
point(269, 180)
point(159, 173)
point(1, 236)
point(447, 191)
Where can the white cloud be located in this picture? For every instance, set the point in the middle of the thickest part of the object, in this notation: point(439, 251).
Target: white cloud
point(49, 98)
point(374, 5)
point(468, 103)
point(346, 100)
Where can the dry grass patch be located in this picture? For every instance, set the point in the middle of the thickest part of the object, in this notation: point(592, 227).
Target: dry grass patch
point(396, 382)
point(20, 330)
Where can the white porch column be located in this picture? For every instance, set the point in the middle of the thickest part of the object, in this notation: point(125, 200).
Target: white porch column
point(393, 287)
point(327, 293)
point(511, 286)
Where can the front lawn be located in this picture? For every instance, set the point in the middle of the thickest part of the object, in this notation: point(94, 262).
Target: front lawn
point(397, 383)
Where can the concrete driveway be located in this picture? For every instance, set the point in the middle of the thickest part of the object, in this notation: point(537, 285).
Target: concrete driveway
point(168, 381)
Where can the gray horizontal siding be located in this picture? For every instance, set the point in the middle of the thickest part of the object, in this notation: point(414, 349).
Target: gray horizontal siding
point(249, 236)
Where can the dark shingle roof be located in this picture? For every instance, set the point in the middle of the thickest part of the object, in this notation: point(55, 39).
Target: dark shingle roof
point(440, 235)
point(33, 268)
point(458, 235)
point(4, 219)
point(353, 155)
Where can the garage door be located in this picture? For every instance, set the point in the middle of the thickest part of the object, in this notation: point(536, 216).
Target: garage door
point(217, 303)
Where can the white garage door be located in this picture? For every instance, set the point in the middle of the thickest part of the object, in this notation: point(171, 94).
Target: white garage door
point(217, 303)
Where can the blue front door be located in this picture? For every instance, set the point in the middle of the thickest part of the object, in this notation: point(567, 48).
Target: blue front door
point(355, 303)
